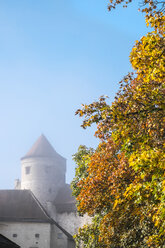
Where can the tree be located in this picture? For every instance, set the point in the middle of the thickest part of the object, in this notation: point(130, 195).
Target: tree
point(123, 182)
point(150, 7)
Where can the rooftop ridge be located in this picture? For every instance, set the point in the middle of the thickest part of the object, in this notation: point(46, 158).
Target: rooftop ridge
point(40, 205)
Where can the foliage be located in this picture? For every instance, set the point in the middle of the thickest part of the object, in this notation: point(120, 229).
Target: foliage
point(150, 7)
point(122, 183)
point(88, 235)
point(82, 158)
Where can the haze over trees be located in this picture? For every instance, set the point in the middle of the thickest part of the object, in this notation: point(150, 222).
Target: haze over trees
point(121, 184)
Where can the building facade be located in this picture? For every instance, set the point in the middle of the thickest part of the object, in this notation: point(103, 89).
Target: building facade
point(44, 213)
point(24, 221)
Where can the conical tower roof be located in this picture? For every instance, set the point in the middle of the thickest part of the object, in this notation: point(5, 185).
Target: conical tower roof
point(41, 148)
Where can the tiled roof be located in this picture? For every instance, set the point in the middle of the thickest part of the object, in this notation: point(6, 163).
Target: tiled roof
point(22, 206)
point(42, 148)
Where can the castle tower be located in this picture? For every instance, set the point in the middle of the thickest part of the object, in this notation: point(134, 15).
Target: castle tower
point(43, 171)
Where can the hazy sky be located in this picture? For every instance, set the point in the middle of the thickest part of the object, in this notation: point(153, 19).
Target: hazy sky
point(54, 56)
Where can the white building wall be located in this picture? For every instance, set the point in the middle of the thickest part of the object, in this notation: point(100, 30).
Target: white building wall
point(26, 234)
point(58, 238)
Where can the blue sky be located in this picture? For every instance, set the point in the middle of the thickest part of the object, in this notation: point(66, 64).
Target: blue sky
point(54, 56)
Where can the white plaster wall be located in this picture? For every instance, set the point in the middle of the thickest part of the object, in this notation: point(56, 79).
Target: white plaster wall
point(46, 176)
point(26, 234)
point(71, 221)
point(58, 238)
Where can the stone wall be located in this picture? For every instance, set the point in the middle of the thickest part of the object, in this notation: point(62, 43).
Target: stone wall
point(71, 221)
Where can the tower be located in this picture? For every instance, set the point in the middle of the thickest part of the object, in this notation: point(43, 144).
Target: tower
point(43, 171)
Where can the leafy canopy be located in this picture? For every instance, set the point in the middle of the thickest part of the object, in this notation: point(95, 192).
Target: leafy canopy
point(121, 184)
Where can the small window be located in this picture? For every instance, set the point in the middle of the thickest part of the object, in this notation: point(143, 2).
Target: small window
point(37, 235)
point(59, 235)
point(27, 169)
point(14, 235)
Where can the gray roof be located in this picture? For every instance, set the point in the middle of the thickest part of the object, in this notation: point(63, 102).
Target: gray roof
point(22, 206)
point(64, 200)
point(7, 243)
point(42, 148)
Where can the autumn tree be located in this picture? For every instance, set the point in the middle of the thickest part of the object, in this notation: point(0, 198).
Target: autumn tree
point(121, 184)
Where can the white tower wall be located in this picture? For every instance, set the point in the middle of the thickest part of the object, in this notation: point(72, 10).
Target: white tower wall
point(43, 176)
point(43, 171)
